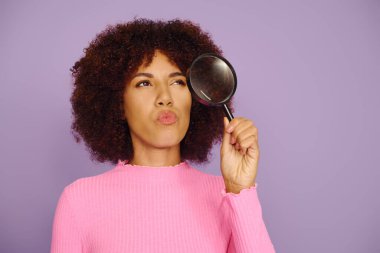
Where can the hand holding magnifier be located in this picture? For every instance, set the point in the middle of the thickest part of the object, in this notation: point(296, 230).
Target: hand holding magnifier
point(213, 81)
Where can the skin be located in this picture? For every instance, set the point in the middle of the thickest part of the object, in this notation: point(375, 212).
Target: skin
point(239, 154)
point(156, 87)
point(159, 86)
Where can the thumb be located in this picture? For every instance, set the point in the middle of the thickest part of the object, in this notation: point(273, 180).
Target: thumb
point(226, 135)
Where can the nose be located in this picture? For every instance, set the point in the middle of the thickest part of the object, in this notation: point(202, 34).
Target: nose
point(164, 97)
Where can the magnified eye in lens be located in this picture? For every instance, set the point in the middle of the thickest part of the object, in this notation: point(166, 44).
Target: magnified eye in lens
point(212, 80)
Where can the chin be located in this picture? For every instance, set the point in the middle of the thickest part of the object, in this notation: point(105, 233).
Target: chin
point(167, 142)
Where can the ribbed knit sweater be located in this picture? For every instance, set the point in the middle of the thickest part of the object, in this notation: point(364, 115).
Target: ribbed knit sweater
point(134, 208)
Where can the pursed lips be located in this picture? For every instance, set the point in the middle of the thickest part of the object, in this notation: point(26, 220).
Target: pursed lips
point(167, 117)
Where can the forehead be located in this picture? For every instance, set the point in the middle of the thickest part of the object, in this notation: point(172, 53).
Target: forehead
point(159, 61)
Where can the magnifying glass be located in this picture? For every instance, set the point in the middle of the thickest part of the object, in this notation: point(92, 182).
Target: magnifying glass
point(212, 81)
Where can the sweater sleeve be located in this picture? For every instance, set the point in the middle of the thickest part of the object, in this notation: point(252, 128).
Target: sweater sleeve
point(249, 233)
point(65, 232)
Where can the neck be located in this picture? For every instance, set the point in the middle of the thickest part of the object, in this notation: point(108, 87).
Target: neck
point(156, 157)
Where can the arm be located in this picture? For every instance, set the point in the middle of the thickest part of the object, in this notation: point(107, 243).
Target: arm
point(65, 231)
point(249, 233)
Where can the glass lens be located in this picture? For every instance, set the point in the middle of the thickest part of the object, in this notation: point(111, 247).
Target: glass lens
point(212, 79)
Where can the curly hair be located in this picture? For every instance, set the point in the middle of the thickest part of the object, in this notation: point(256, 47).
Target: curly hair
point(108, 64)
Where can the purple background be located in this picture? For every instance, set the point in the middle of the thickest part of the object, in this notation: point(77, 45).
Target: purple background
point(308, 76)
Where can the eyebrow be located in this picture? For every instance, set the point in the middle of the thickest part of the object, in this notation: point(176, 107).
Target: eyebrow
point(174, 74)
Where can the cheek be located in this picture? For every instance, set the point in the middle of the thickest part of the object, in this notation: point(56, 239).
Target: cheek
point(128, 108)
point(187, 108)
point(186, 104)
point(187, 99)
point(135, 109)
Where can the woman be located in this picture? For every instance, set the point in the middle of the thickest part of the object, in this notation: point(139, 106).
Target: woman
point(132, 107)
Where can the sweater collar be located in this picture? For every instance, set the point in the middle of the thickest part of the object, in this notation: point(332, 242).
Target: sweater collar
point(151, 174)
point(125, 163)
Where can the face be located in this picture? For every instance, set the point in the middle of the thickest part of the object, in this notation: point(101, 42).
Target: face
point(157, 104)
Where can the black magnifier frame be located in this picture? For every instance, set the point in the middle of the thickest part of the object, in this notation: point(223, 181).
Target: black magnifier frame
point(190, 80)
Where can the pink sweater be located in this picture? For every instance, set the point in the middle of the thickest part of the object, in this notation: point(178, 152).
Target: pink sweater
point(133, 208)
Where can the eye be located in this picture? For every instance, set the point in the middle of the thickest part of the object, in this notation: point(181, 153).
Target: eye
point(143, 83)
point(180, 82)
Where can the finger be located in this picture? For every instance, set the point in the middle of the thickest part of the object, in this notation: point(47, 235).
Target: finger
point(245, 133)
point(234, 123)
point(249, 142)
point(237, 146)
point(254, 152)
point(243, 130)
point(249, 134)
point(226, 136)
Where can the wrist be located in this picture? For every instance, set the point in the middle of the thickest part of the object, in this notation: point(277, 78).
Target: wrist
point(236, 188)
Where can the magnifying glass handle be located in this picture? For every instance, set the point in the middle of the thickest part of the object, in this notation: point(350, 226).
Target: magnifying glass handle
point(227, 112)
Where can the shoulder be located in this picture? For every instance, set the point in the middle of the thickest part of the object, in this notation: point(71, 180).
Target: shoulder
point(86, 187)
point(210, 177)
point(213, 182)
